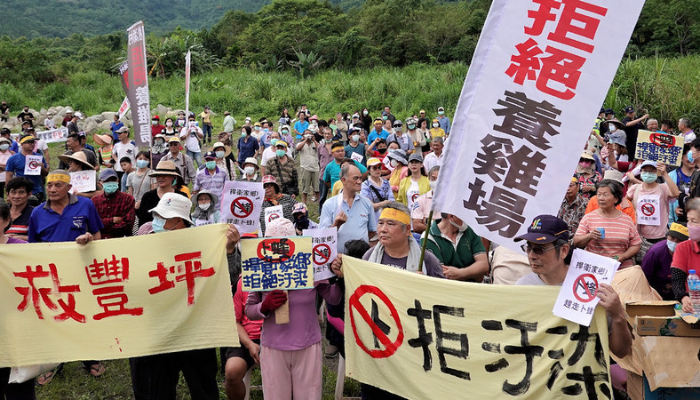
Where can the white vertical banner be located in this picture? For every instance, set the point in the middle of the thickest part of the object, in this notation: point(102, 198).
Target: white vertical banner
point(137, 84)
point(124, 107)
point(188, 63)
point(539, 75)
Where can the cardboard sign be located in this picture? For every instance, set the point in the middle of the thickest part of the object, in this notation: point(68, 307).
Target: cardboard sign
point(241, 205)
point(273, 213)
point(357, 157)
point(649, 210)
point(83, 181)
point(115, 298)
point(426, 338)
point(276, 263)
point(53, 135)
point(33, 164)
point(577, 298)
point(661, 147)
point(325, 250)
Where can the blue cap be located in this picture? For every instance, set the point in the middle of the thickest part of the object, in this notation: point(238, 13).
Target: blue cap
point(107, 174)
point(546, 229)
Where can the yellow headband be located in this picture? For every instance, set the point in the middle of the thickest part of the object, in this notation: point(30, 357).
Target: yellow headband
point(679, 228)
point(58, 178)
point(26, 139)
point(392, 213)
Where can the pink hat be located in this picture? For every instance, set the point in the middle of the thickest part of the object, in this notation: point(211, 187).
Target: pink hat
point(280, 227)
point(270, 179)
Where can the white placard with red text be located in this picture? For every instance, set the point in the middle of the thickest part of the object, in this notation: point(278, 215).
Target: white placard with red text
point(32, 165)
point(324, 251)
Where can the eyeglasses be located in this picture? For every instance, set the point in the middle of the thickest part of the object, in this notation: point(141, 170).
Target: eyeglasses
point(173, 144)
point(539, 250)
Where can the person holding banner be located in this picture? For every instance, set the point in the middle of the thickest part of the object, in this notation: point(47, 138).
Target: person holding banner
point(18, 192)
point(290, 355)
point(547, 248)
point(17, 166)
point(458, 248)
point(651, 201)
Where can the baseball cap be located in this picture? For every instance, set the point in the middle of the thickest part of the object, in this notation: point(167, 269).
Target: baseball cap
point(546, 229)
point(299, 208)
point(107, 173)
point(609, 111)
point(629, 110)
point(210, 155)
point(649, 163)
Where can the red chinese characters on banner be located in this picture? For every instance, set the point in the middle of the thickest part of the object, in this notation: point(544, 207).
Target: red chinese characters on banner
point(190, 267)
point(36, 294)
point(139, 67)
point(111, 275)
point(556, 69)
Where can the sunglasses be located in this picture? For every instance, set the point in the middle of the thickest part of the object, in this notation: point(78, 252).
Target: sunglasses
point(539, 250)
point(173, 144)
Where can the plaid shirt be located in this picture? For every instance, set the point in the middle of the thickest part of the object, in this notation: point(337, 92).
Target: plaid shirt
point(572, 213)
point(118, 204)
point(286, 175)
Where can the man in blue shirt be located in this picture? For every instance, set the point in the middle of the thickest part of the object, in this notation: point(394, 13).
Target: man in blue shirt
point(443, 120)
point(300, 126)
point(378, 133)
point(332, 173)
point(114, 127)
point(16, 163)
point(350, 212)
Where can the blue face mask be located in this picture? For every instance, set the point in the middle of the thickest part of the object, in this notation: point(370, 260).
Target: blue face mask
point(690, 156)
point(274, 141)
point(649, 177)
point(110, 187)
point(280, 153)
point(158, 224)
point(142, 163)
point(671, 245)
point(244, 134)
point(211, 164)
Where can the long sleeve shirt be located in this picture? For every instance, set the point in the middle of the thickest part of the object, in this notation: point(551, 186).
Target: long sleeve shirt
point(118, 204)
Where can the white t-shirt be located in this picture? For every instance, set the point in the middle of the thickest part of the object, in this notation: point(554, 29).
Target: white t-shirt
point(269, 153)
point(191, 138)
point(412, 193)
point(48, 122)
point(41, 145)
point(121, 150)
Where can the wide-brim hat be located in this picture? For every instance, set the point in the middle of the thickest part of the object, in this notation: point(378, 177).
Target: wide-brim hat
point(227, 149)
point(102, 140)
point(398, 155)
point(617, 123)
point(617, 139)
point(173, 205)
point(78, 157)
point(251, 160)
point(195, 197)
point(613, 175)
point(280, 227)
point(270, 179)
point(587, 156)
point(165, 167)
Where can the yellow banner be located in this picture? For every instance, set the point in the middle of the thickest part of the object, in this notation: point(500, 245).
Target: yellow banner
point(277, 263)
point(115, 298)
point(428, 338)
point(661, 147)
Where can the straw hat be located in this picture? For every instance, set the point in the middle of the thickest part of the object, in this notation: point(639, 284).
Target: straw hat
point(166, 167)
point(227, 149)
point(102, 140)
point(79, 157)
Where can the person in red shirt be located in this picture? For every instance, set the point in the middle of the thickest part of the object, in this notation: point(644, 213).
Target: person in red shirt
point(156, 127)
point(116, 209)
point(240, 359)
point(687, 256)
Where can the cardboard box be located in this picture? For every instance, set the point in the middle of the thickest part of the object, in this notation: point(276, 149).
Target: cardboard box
point(665, 326)
point(669, 362)
point(635, 386)
point(638, 389)
point(653, 308)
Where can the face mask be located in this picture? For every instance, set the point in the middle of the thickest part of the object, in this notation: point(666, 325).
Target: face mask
point(142, 163)
point(266, 130)
point(355, 138)
point(393, 163)
point(365, 112)
point(244, 134)
point(612, 127)
point(192, 124)
point(211, 164)
point(280, 153)
point(649, 177)
point(285, 132)
point(436, 125)
point(381, 151)
point(249, 170)
point(205, 207)
point(158, 224)
point(174, 182)
point(273, 142)
point(690, 156)
point(411, 127)
point(110, 187)
point(694, 233)
point(169, 124)
point(154, 122)
point(220, 154)
point(433, 185)
point(333, 127)
point(461, 228)
point(4, 147)
point(671, 245)
point(441, 112)
point(385, 117)
point(257, 128)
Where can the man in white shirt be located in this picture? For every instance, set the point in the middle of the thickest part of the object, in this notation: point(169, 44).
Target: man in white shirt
point(434, 158)
point(191, 134)
point(123, 148)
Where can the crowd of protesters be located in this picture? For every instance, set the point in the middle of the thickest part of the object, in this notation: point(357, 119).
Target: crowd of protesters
point(371, 178)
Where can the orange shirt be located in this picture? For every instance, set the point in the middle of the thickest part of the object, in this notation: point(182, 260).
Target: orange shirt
point(628, 209)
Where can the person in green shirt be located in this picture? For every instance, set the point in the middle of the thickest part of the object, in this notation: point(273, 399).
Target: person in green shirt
point(459, 249)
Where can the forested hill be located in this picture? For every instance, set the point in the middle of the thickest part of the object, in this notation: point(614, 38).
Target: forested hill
point(61, 18)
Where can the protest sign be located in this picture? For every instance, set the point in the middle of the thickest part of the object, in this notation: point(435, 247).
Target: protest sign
point(83, 181)
point(124, 107)
point(53, 135)
point(427, 338)
point(356, 156)
point(661, 147)
point(137, 84)
point(276, 263)
point(577, 298)
point(241, 205)
point(325, 250)
point(649, 210)
point(273, 213)
point(33, 164)
point(115, 298)
point(533, 83)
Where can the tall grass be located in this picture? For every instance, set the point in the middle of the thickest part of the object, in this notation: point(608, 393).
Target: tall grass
point(667, 88)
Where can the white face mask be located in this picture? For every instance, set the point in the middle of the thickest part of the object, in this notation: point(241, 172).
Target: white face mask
point(205, 207)
point(393, 163)
point(461, 228)
point(612, 127)
point(249, 170)
point(433, 185)
point(436, 125)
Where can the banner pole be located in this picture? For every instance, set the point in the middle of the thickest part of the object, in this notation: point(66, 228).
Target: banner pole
point(425, 242)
